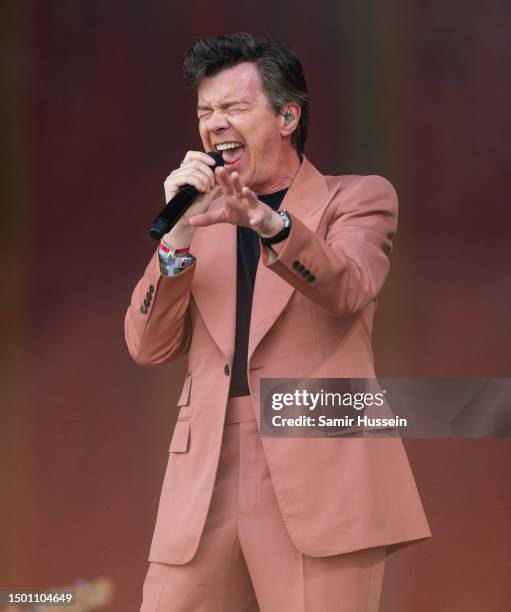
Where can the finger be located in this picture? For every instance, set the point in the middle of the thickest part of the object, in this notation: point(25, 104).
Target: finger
point(192, 168)
point(192, 177)
point(207, 218)
point(250, 197)
point(200, 205)
point(201, 167)
point(204, 201)
point(198, 156)
point(237, 185)
point(196, 165)
point(224, 180)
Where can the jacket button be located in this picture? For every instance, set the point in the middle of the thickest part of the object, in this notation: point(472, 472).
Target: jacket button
point(227, 369)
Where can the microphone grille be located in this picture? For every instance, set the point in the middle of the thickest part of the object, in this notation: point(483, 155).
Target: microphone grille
point(217, 157)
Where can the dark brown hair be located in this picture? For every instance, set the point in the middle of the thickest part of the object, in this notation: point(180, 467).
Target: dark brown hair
point(280, 69)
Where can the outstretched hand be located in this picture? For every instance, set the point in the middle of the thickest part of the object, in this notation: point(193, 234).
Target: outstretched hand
point(242, 207)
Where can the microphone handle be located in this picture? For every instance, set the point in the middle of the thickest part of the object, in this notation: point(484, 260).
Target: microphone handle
point(173, 211)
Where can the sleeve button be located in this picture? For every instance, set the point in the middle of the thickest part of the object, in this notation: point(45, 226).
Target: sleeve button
point(227, 369)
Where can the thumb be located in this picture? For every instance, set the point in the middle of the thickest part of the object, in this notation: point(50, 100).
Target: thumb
point(207, 218)
point(201, 204)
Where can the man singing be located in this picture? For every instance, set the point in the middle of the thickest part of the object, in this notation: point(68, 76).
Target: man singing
point(272, 273)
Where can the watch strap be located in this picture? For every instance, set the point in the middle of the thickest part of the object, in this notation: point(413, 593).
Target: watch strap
point(284, 232)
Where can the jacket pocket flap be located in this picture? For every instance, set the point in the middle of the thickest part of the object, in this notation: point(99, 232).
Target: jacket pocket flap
point(180, 437)
point(184, 398)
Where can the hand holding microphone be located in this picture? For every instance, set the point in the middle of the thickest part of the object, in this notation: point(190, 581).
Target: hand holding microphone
point(185, 189)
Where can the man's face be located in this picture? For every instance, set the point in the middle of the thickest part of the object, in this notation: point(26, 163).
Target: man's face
point(236, 118)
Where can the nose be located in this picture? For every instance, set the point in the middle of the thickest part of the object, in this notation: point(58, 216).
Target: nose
point(217, 122)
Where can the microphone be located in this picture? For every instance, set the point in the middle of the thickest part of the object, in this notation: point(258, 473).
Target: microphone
point(179, 204)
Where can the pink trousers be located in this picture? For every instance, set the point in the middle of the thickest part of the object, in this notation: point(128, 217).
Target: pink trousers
point(246, 561)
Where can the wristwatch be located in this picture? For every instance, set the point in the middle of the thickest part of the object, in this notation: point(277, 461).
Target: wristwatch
point(284, 233)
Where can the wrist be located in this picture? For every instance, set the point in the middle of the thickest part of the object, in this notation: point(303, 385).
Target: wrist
point(282, 233)
point(277, 225)
point(180, 237)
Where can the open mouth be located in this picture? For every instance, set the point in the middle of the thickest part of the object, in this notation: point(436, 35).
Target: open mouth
point(232, 152)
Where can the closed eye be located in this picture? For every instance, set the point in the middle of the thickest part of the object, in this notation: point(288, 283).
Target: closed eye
point(229, 109)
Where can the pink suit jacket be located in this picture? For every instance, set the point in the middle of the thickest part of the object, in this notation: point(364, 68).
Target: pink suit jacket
point(335, 494)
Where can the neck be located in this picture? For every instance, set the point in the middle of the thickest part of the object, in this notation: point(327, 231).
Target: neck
point(288, 167)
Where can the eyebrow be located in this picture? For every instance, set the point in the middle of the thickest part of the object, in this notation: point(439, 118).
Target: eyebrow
point(201, 107)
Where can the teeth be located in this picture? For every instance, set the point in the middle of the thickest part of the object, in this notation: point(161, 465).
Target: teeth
point(228, 145)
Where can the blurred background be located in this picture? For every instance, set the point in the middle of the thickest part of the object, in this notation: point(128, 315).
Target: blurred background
point(94, 115)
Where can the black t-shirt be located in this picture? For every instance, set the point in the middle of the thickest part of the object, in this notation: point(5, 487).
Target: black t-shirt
point(247, 260)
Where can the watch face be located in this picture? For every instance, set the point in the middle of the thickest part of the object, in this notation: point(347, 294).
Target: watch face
point(285, 218)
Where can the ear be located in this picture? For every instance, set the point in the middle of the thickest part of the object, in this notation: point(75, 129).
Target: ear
point(290, 116)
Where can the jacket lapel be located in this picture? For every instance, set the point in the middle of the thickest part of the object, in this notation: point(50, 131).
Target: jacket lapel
point(306, 198)
point(214, 281)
